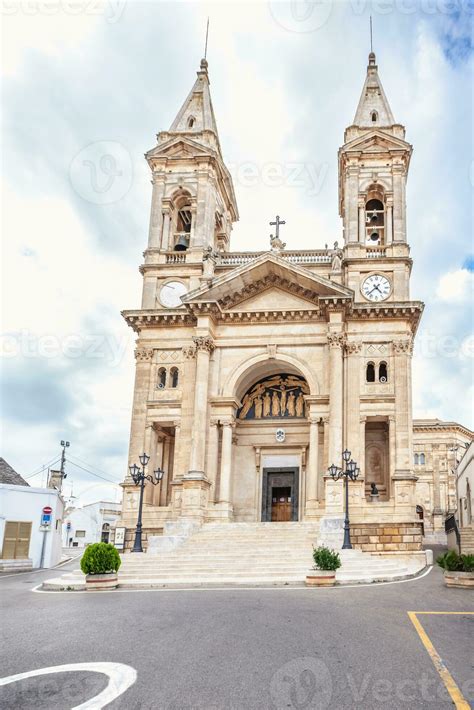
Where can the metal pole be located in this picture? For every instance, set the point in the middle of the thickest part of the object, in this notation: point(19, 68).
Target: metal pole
point(43, 546)
point(347, 531)
point(137, 545)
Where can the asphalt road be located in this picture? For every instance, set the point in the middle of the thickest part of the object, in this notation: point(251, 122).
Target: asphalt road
point(282, 648)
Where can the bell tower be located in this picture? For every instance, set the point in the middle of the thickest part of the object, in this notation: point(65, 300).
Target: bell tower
point(193, 202)
point(373, 170)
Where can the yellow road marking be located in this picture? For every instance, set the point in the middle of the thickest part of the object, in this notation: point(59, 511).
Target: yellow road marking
point(457, 697)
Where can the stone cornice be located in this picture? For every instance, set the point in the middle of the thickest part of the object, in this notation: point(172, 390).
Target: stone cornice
point(411, 311)
point(138, 320)
point(438, 425)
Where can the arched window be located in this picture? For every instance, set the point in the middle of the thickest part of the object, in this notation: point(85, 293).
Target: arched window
point(374, 221)
point(383, 372)
point(422, 459)
point(370, 373)
point(374, 116)
point(174, 375)
point(182, 220)
point(162, 378)
point(190, 121)
point(416, 459)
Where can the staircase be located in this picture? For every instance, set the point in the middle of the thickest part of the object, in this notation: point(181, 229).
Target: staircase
point(467, 540)
point(233, 553)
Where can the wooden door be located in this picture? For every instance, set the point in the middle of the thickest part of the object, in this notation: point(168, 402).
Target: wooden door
point(281, 505)
point(16, 541)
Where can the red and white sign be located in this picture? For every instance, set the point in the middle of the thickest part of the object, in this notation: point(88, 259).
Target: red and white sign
point(47, 510)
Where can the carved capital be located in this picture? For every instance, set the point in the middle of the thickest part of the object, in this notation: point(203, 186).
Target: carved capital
point(189, 352)
point(353, 348)
point(403, 346)
point(144, 354)
point(228, 421)
point(204, 343)
point(336, 340)
point(214, 421)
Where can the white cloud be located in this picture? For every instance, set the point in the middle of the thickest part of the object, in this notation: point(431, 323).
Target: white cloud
point(456, 287)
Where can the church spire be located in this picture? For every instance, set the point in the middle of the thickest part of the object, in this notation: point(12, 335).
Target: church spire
point(196, 115)
point(373, 110)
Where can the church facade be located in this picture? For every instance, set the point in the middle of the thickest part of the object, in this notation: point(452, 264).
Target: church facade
point(255, 370)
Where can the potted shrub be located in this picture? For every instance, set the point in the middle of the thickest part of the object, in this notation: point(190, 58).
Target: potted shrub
point(100, 563)
point(326, 562)
point(458, 569)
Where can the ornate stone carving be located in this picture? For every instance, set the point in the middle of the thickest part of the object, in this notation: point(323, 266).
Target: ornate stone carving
point(189, 352)
point(336, 340)
point(272, 350)
point(277, 397)
point(144, 354)
point(403, 346)
point(203, 342)
point(353, 348)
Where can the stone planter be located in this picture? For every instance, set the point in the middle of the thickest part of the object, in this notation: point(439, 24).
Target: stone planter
point(320, 578)
point(98, 582)
point(460, 580)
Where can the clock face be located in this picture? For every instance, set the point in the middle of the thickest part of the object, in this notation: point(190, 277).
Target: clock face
point(170, 294)
point(376, 287)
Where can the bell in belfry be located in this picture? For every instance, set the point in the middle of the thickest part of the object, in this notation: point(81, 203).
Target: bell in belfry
point(183, 243)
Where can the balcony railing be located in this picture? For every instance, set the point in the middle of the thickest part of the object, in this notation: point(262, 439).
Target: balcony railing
point(296, 257)
point(375, 252)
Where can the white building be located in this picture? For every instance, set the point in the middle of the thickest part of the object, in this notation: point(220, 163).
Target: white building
point(24, 542)
point(465, 504)
point(94, 522)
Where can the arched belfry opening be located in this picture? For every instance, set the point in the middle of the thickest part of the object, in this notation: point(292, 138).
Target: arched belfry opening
point(182, 221)
point(375, 216)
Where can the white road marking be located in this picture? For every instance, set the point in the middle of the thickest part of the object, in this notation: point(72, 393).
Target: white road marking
point(121, 677)
point(283, 588)
point(40, 569)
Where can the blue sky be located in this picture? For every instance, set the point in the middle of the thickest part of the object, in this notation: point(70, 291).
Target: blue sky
point(80, 81)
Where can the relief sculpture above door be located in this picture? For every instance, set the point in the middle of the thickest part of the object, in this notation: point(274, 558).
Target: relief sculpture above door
point(277, 397)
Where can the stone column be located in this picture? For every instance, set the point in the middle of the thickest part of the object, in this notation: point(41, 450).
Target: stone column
point(144, 358)
point(351, 212)
point(312, 465)
point(392, 447)
point(167, 237)
point(336, 344)
point(226, 461)
point(166, 467)
point(403, 407)
point(204, 347)
point(361, 222)
point(352, 437)
point(212, 453)
point(389, 222)
point(399, 232)
point(156, 216)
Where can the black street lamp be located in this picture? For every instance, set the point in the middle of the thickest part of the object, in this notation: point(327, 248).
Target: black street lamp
point(352, 472)
point(139, 478)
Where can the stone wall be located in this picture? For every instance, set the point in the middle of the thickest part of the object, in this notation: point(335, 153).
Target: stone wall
point(130, 537)
point(392, 537)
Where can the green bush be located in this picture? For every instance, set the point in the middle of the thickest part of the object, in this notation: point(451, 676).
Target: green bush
point(452, 562)
point(99, 558)
point(326, 559)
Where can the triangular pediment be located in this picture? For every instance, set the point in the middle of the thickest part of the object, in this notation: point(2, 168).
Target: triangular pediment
point(268, 298)
point(377, 142)
point(179, 147)
point(269, 282)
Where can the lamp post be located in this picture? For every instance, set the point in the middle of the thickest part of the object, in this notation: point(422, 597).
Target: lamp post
point(351, 472)
point(139, 478)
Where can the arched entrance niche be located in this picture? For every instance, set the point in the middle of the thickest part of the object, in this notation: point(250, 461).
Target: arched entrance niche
point(249, 372)
point(271, 438)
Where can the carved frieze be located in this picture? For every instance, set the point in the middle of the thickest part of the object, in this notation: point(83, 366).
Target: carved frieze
point(404, 346)
point(144, 354)
point(353, 348)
